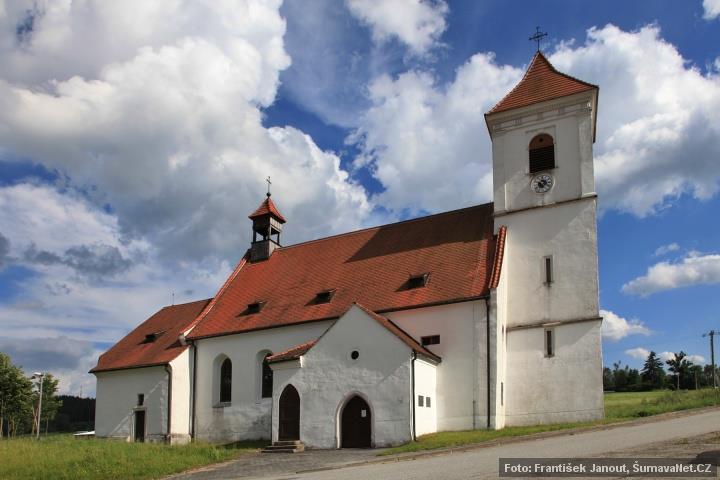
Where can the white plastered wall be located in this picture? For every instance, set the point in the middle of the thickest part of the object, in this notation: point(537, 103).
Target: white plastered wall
point(425, 385)
point(462, 375)
point(116, 401)
point(566, 387)
point(248, 415)
point(329, 377)
point(180, 412)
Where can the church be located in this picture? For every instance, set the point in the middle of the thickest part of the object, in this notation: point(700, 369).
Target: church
point(477, 318)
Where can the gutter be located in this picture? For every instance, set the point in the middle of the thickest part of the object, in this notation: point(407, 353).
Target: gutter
point(192, 388)
point(487, 341)
point(168, 369)
point(412, 392)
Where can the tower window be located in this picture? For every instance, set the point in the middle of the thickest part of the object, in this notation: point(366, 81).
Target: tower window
point(140, 399)
point(417, 281)
point(549, 343)
point(542, 153)
point(548, 264)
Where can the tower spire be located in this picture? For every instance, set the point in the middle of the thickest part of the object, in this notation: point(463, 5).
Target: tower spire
point(269, 183)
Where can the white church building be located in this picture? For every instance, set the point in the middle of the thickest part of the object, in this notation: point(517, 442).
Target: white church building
point(477, 318)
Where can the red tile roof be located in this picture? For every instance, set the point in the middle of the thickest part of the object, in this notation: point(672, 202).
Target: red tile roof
point(267, 207)
point(498, 258)
point(371, 266)
point(292, 353)
point(541, 83)
point(136, 349)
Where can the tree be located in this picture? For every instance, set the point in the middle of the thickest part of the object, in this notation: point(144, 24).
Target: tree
point(652, 372)
point(15, 397)
point(679, 366)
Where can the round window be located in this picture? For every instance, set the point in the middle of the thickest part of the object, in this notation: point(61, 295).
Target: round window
point(355, 354)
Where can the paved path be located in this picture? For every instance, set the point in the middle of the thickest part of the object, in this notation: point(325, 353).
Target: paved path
point(475, 464)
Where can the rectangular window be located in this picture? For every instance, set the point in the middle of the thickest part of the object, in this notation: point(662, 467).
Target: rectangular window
point(430, 340)
point(548, 270)
point(427, 401)
point(420, 400)
point(502, 393)
point(141, 399)
point(549, 343)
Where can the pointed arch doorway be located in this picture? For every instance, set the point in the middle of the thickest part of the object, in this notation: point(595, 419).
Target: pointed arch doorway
point(356, 424)
point(289, 414)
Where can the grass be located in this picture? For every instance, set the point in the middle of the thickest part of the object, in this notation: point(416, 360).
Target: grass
point(619, 407)
point(64, 457)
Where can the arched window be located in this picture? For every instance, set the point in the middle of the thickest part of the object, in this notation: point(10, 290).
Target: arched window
point(542, 153)
point(267, 378)
point(226, 381)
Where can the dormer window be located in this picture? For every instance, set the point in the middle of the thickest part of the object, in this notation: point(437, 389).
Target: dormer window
point(542, 153)
point(324, 297)
point(151, 337)
point(255, 307)
point(418, 281)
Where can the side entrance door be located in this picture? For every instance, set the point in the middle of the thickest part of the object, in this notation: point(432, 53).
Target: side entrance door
point(289, 404)
point(139, 425)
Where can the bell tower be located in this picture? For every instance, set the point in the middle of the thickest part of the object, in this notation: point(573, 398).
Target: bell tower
point(542, 135)
point(267, 224)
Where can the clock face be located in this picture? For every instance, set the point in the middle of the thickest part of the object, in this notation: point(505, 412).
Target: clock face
point(542, 183)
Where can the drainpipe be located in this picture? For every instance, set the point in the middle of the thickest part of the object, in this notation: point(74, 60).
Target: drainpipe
point(487, 335)
point(192, 387)
point(412, 391)
point(168, 369)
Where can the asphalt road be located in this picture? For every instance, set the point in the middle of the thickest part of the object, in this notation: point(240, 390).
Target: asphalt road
point(483, 463)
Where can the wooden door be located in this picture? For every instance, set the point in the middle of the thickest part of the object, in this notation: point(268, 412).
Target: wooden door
point(356, 424)
point(139, 425)
point(289, 428)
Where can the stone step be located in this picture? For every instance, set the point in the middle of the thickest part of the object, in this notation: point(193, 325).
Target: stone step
point(288, 442)
point(286, 446)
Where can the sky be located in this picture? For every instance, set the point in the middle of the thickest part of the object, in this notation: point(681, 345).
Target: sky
point(135, 138)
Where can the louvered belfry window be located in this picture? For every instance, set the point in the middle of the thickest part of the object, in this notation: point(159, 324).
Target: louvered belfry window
point(542, 153)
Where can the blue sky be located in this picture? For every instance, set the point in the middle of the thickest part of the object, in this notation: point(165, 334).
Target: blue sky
point(133, 147)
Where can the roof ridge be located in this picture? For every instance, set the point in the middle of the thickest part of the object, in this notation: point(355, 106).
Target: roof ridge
point(399, 222)
point(186, 303)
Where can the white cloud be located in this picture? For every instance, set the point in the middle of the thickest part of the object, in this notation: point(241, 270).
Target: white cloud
point(615, 327)
point(711, 9)
point(170, 133)
point(696, 359)
point(428, 144)
point(665, 249)
point(659, 118)
point(638, 352)
point(417, 23)
point(694, 269)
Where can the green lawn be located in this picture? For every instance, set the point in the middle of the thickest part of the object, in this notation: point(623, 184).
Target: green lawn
point(619, 407)
point(64, 457)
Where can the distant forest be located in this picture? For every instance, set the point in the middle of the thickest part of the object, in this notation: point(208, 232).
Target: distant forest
point(76, 414)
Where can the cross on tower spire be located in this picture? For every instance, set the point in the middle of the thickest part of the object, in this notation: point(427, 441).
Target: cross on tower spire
point(269, 183)
point(537, 36)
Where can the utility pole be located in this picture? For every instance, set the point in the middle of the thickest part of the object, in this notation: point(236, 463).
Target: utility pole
point(712, 334)
point(40, 395)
